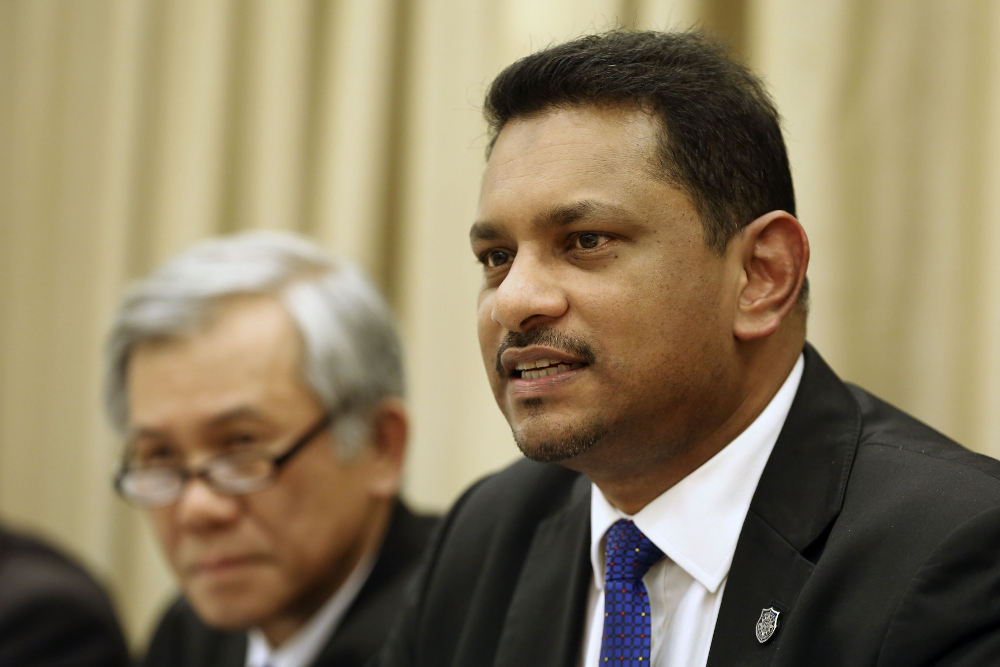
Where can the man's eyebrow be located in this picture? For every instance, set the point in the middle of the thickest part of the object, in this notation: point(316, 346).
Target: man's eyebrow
point(144, 432)
point(233, 414)
point(562, 216)
point(484, 230)
point(558, 216)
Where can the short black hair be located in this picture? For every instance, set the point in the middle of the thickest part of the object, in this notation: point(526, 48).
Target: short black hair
point(721, 136)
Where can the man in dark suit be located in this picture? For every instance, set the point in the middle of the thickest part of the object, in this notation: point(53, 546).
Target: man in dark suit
point(704, 490)
point(183, 639)
point(52, 613)
point(259, 387)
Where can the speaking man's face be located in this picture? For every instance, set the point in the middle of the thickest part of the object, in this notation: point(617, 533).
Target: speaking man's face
point(603, 317)
point(270, 558)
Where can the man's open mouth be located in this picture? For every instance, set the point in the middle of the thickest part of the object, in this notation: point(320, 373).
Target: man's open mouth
point(531, 370)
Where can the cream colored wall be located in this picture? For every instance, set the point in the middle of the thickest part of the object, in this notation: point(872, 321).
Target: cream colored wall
point(129, 129)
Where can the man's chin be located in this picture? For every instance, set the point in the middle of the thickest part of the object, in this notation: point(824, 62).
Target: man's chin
point(229, 609)
point(227, 617)
point(555, 447)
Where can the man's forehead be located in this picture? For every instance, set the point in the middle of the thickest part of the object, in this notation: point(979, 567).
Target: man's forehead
point(576, 143)
point(249, 357)
point(571, 163)
point(232, 324)
point(624, 127)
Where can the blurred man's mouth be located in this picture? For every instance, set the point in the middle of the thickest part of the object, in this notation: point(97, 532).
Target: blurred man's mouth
point(223, 565)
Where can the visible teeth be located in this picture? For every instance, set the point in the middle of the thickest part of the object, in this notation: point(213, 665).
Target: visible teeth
point(541, 363)
point(550, 369)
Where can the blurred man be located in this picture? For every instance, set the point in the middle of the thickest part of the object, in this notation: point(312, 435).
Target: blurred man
point(259, 388)
point(52, 612)
point(721, 497)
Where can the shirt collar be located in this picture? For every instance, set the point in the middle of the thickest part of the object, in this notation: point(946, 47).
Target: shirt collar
point(303, 647)
point(697, 522)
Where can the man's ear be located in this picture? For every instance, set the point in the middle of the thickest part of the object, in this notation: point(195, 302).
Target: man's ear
point(774, 252)
point(388, 447)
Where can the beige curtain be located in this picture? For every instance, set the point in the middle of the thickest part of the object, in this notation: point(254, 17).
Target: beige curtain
point(893, 124)
point(129, 129)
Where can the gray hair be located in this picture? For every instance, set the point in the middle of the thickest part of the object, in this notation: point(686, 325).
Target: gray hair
point(352, 355)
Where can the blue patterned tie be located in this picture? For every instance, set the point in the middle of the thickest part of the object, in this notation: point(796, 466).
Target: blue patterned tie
point(628, 555)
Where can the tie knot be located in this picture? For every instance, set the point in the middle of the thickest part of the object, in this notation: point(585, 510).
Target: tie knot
point(628, 554)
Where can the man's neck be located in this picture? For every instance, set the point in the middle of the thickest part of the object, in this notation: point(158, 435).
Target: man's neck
point(284, 626)
point(630, 486)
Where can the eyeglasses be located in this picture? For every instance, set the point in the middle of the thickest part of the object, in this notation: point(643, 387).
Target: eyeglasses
point(231, 474)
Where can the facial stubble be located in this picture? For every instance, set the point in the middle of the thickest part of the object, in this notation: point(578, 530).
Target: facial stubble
point(572, 442)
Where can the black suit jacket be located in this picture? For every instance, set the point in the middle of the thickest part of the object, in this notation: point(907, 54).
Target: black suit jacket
point(877, 538)
point(52, 613)
point(182, 640)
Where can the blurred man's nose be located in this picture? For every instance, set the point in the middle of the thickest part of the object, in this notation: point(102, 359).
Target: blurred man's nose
point(201, 507)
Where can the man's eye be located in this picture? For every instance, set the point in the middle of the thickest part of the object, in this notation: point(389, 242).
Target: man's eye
point(155, 454)
point(590, 240)
point(241, 439)
point(494, 258)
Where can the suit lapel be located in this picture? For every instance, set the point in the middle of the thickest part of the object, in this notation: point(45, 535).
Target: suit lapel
point(799, 496)
point(232, 653)
point(544, 623)
point(766, 573)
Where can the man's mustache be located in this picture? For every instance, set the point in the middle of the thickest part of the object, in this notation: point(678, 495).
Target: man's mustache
point(548, 337)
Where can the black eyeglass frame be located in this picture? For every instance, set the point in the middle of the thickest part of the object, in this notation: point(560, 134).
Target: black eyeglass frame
point(185, 475)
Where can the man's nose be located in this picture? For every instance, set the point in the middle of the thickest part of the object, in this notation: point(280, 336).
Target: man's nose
point(529, 295)
point(201, 507)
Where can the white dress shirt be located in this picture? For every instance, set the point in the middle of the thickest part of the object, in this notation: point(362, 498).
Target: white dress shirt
point(302, 648)
point(696, 524)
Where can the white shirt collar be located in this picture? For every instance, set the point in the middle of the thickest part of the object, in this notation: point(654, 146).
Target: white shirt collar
point(303, 647)
point(697, 522)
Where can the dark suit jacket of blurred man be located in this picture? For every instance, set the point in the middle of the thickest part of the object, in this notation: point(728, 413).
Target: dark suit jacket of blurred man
point(875, 537)
point(182, 640)
point(52, 613)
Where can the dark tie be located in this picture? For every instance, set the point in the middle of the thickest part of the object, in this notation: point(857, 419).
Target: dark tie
point(628, 555)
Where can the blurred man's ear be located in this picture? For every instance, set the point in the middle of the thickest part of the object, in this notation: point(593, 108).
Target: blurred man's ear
point(387, 448)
